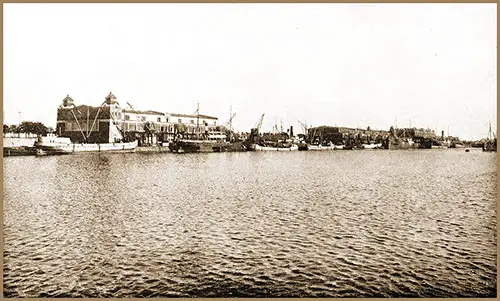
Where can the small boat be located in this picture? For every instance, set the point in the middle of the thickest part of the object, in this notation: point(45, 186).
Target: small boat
point(53, 145)
point(372, 146)
point(19, 151)
point(467, 150)
point(292, 147)
point(319, 147)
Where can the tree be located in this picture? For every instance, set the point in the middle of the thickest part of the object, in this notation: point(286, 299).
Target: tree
point(5, 128)
point(33, 127)
point(13, 129)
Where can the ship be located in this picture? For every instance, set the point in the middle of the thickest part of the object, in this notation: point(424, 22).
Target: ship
point(490, 145)
point(53, 145)
point(206, 142)
point(320, 147)
point(278, 147)
point(213, 143)
point(407, 139)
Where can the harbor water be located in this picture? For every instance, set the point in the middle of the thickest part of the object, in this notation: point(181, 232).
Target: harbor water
point(417, 223)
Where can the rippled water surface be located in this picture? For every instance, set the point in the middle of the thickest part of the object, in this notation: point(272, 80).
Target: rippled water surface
point(298, 224)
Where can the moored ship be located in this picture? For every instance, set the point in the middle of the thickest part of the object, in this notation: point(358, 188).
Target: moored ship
point(202, 139)
point(490, 145)
point(282, 148)
point(215, 142)
point(53, 145)
point(321, 147)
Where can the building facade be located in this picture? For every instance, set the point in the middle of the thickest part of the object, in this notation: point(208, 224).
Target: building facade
point(112, 123)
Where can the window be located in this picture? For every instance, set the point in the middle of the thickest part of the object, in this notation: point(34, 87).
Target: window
point(158, 119)
point(215, 122)
point(127, 117)
point(143, 118)
point(180, 120)
point(192, 121)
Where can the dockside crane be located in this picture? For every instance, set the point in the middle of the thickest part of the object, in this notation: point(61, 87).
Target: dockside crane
point(254, 133)
point(229, 124)
point(304, 127)
point(146, 125)
point(258, 125)
point(230, 121)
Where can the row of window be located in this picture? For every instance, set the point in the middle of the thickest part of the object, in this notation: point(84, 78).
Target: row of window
point(158, 119)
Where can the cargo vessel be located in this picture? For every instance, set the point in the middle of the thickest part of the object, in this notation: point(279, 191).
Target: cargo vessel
point(215, 142)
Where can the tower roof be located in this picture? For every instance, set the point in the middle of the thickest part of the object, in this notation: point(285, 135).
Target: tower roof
point(111, 99)
point(68, 101)
point(67, 98)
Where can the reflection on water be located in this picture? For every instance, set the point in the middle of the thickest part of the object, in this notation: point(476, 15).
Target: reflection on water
point(302, 224)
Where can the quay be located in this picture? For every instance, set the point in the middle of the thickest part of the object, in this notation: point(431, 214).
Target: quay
point(152, 149)
point(113, 127)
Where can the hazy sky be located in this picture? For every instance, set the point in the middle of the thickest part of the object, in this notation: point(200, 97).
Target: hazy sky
point(354, 65)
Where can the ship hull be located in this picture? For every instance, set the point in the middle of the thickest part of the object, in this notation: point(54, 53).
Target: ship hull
point(372, 146)
point(43, 149)
point(18, 151)
point(323, 148)
point(201, 146)
point(271, 148)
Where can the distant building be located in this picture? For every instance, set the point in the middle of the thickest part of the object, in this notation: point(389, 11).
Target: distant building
point(339, 135)
point(112, 123)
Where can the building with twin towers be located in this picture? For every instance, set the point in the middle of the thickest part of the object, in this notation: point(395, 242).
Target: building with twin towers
point(112, 122)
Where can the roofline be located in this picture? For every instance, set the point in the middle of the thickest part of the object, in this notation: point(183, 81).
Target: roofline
point(193, 116)
point(149, 112)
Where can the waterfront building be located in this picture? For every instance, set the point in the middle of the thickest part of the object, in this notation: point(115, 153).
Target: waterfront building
point(113, 123)
point(340, 135)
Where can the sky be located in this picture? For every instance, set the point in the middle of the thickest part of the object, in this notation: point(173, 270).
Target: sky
point(354, 65)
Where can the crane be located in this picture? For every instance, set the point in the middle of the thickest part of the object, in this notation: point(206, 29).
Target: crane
point(231, 117)
point(138, 117)
point(254, 133)
point(304, 126)
point(258, 125)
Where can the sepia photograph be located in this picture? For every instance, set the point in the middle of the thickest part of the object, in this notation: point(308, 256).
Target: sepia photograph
point(249, 150)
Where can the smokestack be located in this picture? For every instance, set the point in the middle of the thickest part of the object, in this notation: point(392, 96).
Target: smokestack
point(442, 134)
point(291, 131)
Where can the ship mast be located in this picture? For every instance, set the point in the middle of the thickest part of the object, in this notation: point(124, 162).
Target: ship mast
point(198, 119)
point(231, 118)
